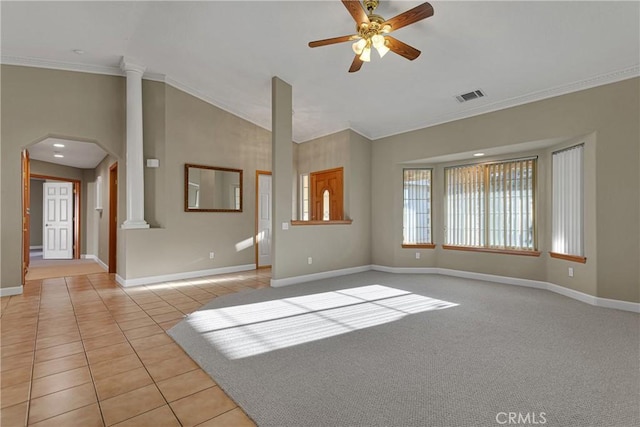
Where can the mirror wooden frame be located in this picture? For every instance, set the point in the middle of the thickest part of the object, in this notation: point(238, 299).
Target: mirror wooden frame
point(188, 166)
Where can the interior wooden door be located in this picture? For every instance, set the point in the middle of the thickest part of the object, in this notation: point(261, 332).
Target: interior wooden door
point(113, 217)
point(327, 195)
point(26, 207)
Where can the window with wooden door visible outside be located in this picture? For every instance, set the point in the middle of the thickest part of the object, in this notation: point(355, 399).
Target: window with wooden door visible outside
point(326, 191)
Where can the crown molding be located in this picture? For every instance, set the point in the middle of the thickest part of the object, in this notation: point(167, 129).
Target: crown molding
point(600, 80)
point(603, 79)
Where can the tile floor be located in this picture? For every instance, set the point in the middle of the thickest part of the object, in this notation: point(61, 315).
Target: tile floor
point(82, 351)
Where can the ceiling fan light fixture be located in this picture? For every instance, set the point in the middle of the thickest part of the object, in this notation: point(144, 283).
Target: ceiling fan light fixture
point(366, 54)
point(359, 46)
point(379, 43)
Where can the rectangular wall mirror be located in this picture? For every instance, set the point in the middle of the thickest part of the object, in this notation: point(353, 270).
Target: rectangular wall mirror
point(212, 189)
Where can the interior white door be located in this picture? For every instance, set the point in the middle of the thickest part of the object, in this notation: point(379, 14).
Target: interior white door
point(263, 238)
point(57, 215)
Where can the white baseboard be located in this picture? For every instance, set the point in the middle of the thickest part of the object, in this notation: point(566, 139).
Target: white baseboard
point(96, 259)
point(180, 276)
point(31, 248)
point(7, 292)
point(318, 276)
point(571, 293)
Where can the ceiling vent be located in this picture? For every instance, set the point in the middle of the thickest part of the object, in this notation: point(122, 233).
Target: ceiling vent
point(471, 95)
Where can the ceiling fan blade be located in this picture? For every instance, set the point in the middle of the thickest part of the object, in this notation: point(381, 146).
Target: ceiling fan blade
point(416, 14)
point(356, 64)
point(333, 40)
point(355, 9)
point(401, 48)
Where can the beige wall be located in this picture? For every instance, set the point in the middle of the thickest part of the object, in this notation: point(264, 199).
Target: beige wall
point(35, 213)
point(194, 132)
point(609, 113)
point(37, 103)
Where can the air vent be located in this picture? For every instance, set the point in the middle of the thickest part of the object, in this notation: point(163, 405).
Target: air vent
point(471, 95)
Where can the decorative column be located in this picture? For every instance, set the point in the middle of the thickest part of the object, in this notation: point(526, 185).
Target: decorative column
point(135, 160)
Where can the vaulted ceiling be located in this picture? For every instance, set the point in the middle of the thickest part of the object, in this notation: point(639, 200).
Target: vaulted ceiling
point(226, 52)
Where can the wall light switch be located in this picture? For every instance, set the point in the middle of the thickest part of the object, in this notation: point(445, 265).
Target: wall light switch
point(153, 163)
point(309, 260)
point(285, 225)
point(417, 255)
point(570, 271)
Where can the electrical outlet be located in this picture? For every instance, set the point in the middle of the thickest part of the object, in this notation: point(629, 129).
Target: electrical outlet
point(417, 255)
point(570, 271)
point(212, 255)
point(309, 260)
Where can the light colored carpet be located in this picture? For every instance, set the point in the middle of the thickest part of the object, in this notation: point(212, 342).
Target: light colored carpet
point(418, 350)
point(47, 269)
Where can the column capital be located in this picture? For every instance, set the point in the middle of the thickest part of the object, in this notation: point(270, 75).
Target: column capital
point(126, 64)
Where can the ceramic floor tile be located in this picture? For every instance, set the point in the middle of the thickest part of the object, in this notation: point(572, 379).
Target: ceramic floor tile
point(55, 340)
point(61, 364)
point(87, 416)
point(59, 351)
point(171, 367)
point(18, 348)
point(12, 395)
point(108, 353)
point(14, 416)
point(160, 353)
point(131, 404)
point(159, 417)
point(61, 381)
point(185, 384)
point(103, 341)
point(202, 406)
point(233, 418)
point(137, 323)
point(116, 366)
point(17, 361)
point(15, 376)
point(122, 383)
point(166, 317)
point(144, 331)
point(150, 341)
point(60, 402)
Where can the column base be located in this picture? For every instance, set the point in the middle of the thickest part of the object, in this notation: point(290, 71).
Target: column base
point(131, 224)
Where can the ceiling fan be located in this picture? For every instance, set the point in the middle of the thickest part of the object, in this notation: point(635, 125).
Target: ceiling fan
point(372, 31)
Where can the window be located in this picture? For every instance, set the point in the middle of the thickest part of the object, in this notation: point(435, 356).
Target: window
point(304, 197)
point(491, 206)
point(567, 204)
point(416, 216)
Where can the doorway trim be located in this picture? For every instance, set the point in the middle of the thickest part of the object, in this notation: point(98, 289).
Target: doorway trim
point(77, 211)
point(113, 217)
point(257, 209)
point(26, 212)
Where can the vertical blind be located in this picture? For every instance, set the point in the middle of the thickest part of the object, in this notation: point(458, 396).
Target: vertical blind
point(417, 206)
point(568, 188)
point(491, 205)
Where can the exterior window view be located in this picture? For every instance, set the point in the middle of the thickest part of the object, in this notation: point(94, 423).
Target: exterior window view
point(335, 213)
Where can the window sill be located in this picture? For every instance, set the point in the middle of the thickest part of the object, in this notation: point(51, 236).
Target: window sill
point(332, 222)
point(574, 258)
point(494, 251)
point(419, 245)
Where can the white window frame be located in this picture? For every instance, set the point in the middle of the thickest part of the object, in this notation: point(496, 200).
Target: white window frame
point(417, 209)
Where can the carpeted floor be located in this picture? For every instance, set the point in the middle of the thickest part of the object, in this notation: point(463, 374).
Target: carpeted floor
point(418, 350)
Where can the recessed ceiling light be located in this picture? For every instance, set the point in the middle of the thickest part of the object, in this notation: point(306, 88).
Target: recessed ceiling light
point(58, 155)
point(58, 145)
point(478, 155)
point(78, 51)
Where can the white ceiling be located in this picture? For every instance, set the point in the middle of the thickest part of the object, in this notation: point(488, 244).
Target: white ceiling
point(227, 52)
point(77, 154)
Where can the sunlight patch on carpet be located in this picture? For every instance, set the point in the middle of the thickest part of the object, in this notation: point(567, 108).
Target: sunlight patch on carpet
point(252, 329)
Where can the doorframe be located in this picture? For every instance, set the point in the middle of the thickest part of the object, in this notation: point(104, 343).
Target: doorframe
point(26, 211)
point(77, 186)
point(113, 217)
point(257, 210)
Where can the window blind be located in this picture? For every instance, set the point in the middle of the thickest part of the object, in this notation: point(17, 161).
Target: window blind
point(417, 206)
point(567, 204)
